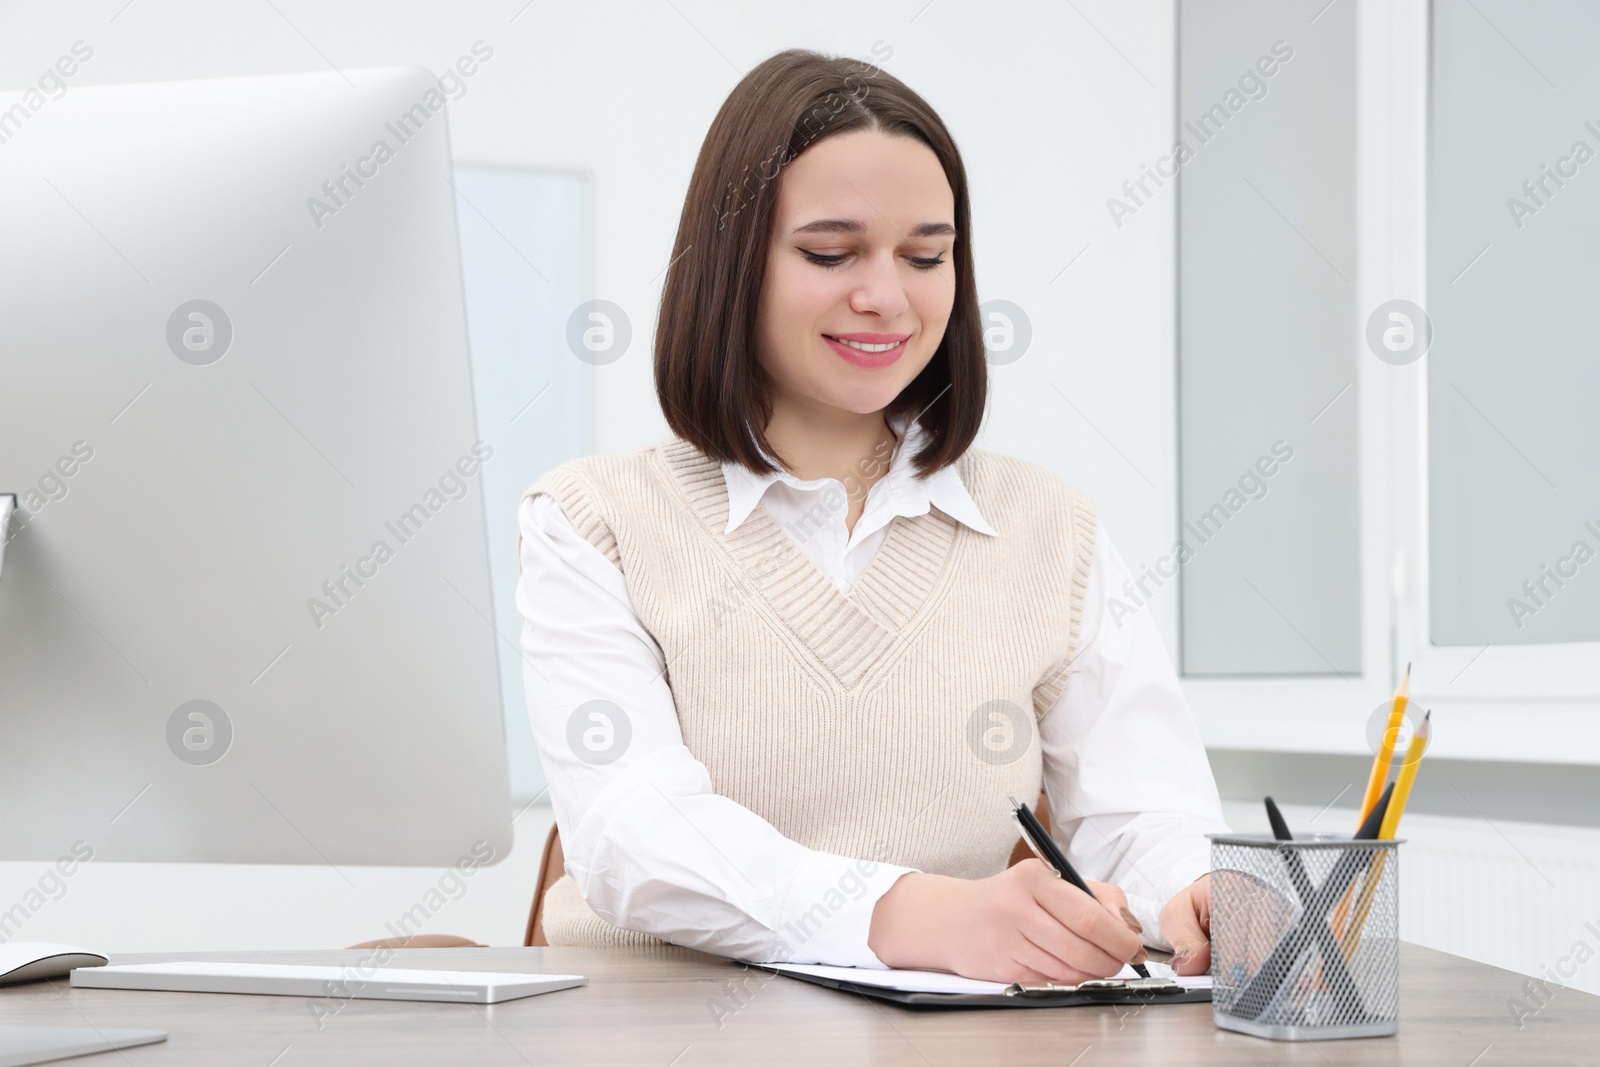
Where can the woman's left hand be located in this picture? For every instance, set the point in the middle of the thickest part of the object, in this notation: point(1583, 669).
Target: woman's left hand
point(1186, 924)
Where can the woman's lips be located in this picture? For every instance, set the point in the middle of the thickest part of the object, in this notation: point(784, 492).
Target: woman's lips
point(861, 358)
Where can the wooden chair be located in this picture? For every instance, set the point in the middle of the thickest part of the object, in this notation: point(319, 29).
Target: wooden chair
point(422, 941)
point(552, 866)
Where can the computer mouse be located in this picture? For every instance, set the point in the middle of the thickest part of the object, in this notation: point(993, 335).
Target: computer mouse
point(34, 961)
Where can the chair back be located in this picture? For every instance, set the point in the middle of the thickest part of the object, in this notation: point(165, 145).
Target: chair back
point(551, 866)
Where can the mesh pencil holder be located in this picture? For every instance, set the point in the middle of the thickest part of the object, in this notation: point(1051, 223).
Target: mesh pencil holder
point(1305, 936)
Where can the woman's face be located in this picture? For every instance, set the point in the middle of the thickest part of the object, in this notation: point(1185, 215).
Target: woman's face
point(859, 274)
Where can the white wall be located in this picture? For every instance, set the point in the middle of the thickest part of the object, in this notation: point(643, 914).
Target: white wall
point(1053, 111)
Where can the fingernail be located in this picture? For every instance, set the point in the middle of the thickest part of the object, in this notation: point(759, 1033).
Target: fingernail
point(1135, 924)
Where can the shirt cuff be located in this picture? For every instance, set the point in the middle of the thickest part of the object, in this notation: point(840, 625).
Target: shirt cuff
point(1148, 909)
point(826, 915)
point(1148, 912)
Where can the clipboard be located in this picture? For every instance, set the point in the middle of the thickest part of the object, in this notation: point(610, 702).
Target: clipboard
point(1139, 992)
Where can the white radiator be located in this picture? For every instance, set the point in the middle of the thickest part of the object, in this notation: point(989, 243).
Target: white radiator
point(1521, 896)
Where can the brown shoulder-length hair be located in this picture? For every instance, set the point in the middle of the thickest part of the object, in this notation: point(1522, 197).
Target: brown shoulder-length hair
point(712, 389)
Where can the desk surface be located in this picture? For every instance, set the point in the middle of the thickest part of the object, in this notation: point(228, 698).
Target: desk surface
point(672, 1007)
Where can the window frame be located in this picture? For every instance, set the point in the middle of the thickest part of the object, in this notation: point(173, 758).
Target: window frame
point(1534, 703)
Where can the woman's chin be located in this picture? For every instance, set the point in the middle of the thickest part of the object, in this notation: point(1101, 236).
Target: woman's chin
point(861, 399)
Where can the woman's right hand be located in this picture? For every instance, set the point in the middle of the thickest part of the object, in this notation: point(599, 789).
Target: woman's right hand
point(1022, 925)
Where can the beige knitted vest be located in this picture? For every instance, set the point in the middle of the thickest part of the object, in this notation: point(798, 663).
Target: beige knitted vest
point(888, 723)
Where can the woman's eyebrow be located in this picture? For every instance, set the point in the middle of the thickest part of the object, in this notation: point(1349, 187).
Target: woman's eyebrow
point(833, 226)
point(924, 229)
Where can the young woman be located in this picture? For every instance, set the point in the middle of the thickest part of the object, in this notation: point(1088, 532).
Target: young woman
point(785, 666)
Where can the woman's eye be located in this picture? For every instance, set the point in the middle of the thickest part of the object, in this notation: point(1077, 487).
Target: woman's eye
point(834, 260)
point(822, 259)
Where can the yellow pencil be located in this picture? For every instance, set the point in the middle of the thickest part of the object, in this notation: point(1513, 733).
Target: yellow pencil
point(1378, 778)
point(1380, 762)
point(1408, 776)
point(1391, 823)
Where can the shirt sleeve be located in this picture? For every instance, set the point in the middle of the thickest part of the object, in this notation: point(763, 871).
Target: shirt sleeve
point(1130, 789)
point(651, 845)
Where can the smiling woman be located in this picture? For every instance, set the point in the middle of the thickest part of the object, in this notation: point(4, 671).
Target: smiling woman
point(880, 267)
point(814, 639)
point(873, 190)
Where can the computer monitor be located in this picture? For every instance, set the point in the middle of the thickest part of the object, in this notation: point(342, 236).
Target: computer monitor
point(245, 597)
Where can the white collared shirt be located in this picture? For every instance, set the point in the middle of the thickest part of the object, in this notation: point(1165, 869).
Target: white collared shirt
point(841, 553)
point(1131, 792)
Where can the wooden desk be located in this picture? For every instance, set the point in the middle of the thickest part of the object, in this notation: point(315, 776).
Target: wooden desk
point(676, 1007)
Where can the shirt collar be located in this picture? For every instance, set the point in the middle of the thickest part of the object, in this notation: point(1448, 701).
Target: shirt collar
point(912, 495)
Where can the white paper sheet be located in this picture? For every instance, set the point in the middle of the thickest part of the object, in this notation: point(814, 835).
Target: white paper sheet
point(943, 982)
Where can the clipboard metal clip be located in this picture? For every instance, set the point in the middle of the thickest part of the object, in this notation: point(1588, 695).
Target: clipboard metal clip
point(1111, 987)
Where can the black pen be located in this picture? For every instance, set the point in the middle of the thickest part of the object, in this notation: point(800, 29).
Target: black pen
point(1045, 847)
point(1280, 826)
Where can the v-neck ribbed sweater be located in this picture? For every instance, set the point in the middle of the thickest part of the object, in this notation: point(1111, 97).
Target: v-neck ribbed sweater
point(855, 724)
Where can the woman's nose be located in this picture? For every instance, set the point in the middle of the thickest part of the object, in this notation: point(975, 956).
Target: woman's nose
point(881, 291)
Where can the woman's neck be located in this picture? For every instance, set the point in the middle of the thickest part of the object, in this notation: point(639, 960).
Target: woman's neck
point(828, 442)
